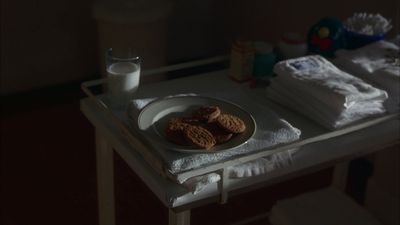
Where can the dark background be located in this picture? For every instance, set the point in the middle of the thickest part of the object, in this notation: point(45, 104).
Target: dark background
point(47, 146)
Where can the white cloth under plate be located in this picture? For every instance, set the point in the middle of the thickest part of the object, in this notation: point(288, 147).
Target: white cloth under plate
point(198, 183)
point(378, 63)
point(253, 168)
point(262, 165)
point(316, 88)
point(271, 130)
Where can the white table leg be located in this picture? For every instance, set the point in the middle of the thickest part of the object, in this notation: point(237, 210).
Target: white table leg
point(223, 186)
point(340, 173)
point(105, 180)
point(179, 218)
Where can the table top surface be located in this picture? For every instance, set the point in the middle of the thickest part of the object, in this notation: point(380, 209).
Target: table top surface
point(378, 131)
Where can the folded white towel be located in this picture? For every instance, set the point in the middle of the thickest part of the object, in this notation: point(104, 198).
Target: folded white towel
point(316, 75)
point(262, 165)
point(316, 88)
point(378, 63)
point(320, 112)
point(372, 57)
point(197, 184)
point(253, 168)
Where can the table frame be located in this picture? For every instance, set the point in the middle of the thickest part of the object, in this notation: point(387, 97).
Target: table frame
point(181, 215)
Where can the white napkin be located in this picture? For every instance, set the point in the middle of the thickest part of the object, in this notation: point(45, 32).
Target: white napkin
point(314, 87)
point(271, 130)
point(378, 63)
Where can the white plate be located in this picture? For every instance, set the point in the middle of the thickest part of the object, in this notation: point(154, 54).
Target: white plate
point(154, 118)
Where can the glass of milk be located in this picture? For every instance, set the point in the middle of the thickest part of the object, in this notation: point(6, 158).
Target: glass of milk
point(123, 73)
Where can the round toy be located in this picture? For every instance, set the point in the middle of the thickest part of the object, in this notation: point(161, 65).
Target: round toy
point(326, 36)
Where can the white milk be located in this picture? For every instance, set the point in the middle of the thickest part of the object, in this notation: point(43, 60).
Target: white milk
point(123, 82)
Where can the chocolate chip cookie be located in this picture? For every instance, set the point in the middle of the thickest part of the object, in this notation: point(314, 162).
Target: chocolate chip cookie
point(199, 137)
point(207, 113)
point(231, 123)
point(174, 131)
point(206, 127)
point(220, 135)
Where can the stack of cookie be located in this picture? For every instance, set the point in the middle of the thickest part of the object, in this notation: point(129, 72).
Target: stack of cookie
point(206, 127)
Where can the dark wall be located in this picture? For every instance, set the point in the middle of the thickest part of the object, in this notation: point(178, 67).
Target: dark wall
point(50, 42)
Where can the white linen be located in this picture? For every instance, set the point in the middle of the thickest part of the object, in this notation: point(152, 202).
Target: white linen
point(262, 165)
point(253, 168)
point(322, 114)
point(250, 169)
point(316, 75)
point(378, 63)
point(197, 184)
point(316, 88)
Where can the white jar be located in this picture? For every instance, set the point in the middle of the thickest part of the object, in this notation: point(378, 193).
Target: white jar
point(292, 45)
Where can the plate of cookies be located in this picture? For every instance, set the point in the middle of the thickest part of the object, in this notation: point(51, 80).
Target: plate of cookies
point(196, 124)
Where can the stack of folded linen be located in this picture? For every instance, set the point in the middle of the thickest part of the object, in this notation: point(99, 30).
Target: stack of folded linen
point(313, 86)
point(378, 63)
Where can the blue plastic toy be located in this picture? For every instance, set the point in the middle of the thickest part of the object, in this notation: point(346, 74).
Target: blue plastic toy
point(326, 36)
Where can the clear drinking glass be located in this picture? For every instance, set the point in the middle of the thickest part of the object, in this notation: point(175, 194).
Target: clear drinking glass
point(123, 73)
